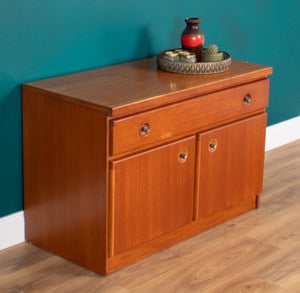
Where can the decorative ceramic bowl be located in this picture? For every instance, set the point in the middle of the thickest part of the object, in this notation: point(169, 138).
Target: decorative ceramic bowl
point(194, 68)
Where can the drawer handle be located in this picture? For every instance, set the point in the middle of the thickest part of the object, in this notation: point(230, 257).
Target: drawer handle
point(212, 146)
point(247, 101)
point(144, 129)
point(182, 156)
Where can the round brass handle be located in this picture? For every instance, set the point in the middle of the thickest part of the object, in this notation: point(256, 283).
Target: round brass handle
point(212, 146)
point(247, 101)
point(144, 129)
point(182, 157)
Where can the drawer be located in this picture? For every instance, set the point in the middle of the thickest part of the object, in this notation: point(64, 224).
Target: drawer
point(140, 130)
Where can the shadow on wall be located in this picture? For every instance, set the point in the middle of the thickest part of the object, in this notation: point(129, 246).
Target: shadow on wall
point(143, 47)
point(175, 35)
point(235, 33)
point(144, 42)
point(10, 145)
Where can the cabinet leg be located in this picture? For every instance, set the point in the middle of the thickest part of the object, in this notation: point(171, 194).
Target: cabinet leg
point(257, 201)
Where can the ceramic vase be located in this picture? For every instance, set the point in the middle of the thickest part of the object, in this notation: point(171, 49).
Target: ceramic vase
point(192, 38)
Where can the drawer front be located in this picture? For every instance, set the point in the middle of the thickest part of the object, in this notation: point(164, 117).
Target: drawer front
point(140, 130)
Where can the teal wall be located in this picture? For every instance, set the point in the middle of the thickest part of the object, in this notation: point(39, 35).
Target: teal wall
point(40, 39)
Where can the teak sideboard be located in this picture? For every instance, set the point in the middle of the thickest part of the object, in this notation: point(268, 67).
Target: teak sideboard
point(123, 161)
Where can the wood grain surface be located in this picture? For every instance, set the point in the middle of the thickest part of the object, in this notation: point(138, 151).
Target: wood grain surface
point(104, 212)
point(140, 85)
point(191, 115)
point(153, 193)
point(64, 148)
point(256, 252)
point(159, 243)
point(234, 170)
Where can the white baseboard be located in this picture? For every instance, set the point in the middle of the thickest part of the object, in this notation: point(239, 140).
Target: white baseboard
point(282, 133)
point(12, 226)
point(12, 230)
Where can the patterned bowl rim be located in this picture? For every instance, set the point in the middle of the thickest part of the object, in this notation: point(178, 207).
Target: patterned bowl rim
point(194, 67)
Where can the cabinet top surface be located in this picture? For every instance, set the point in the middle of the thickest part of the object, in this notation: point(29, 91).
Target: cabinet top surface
point(139, 85)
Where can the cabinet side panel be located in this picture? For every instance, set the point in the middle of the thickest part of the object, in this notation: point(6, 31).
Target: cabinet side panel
point(64, 149)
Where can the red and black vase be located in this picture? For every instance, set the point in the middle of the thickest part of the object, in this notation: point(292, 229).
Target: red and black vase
point(192, 38)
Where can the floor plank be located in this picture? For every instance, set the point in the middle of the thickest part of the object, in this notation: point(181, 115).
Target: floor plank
point(256, 252)
point(203, 269)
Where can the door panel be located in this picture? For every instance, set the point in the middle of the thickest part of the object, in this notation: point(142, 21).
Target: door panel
point(231, 164)
point(152, 193)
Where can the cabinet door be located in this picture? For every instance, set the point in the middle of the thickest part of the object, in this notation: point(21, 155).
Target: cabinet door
point(152, 193)
point(230, 164)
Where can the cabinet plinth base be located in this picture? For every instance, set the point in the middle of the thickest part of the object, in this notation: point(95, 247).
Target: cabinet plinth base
point(257, 201)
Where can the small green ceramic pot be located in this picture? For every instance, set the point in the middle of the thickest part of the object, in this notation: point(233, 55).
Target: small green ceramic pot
point(212, 58)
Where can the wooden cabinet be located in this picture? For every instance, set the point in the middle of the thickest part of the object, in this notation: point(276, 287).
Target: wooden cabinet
point(123, 161)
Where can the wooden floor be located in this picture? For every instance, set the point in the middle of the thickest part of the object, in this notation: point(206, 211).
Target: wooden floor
point(256, 252)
